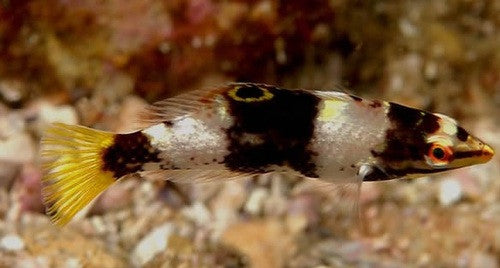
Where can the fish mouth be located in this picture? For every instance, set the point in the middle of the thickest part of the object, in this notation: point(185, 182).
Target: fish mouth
point(487, 153)
point(471, 157)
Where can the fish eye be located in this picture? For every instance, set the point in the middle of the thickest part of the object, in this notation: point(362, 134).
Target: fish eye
point(439, 154)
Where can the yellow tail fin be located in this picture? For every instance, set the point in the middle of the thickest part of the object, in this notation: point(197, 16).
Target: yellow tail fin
point(73, 167)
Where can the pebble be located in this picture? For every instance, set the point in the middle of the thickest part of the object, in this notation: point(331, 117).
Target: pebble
point(226, 205)
point(266, 243)
point(277, 203)
point(29, 188)
point(12, 90)
point(346, 250)
point(302, 211)
point(152, 244)
point(8, 172)
point(64, 114)
point(484, 260)
point(98, 224)
point(370, 192)
point(117, 197)
point(73, 263)
point(450, 191)
point(11, 124)
point(496, 240)
point(129, 115)
point(12, 243)
point(18, 148)
point(256, 201)
point(198, 213)
point(33, 262)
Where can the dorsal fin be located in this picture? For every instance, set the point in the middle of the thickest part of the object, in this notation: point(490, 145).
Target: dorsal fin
point(180, 105)
point(329, 95)
point(194, 101)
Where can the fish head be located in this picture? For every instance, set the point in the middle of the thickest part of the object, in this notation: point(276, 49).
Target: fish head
point(419, 143)
point(451, 146)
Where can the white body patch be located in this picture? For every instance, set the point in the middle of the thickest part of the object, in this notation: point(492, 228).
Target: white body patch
point(159, 135)
point(343, 142)
point(194, 141)
point(448, 127)
point(448, 124)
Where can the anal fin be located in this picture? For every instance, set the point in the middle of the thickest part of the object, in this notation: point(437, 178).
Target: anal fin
point(195, 175)
point(341, 199)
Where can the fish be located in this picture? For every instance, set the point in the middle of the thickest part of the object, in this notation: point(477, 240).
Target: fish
point(240, 130)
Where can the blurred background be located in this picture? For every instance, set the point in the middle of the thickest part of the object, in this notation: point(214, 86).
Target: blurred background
point(97, 63)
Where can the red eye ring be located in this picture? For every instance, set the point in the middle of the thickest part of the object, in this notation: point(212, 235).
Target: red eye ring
point(440, 154)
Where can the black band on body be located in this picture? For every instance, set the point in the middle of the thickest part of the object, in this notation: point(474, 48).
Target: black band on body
point(405, 141)
point(406, 138)
point(272, 126)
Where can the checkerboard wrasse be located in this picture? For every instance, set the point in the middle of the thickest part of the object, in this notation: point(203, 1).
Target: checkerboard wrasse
point(245, 129)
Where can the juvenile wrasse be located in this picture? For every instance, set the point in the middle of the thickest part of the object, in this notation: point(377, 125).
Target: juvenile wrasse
point(245, 129)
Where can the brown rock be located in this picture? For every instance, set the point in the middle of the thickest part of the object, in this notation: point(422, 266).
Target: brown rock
point(267, 243)
point(59, 245)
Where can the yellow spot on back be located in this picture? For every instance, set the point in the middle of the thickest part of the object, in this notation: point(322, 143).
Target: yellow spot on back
point(265, 96)
point(331, 109)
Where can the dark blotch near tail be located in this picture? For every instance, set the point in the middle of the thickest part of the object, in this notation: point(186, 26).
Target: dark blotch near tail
point(285, 124)
point(128, 153)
